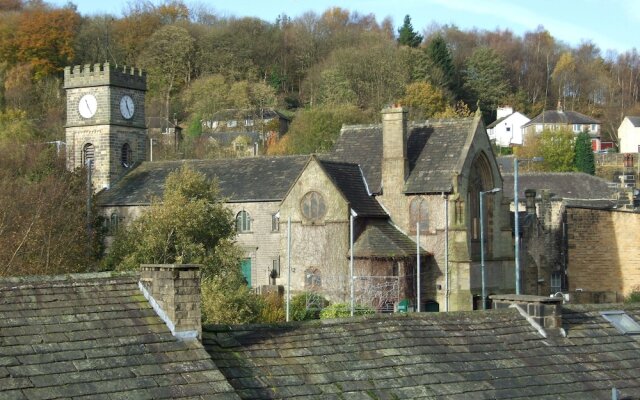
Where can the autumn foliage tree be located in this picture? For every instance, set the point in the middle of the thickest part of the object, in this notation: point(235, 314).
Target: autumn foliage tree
point(45, 39)
point(43, 218)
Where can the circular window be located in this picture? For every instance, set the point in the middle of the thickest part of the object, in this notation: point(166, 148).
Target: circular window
point(313, 206)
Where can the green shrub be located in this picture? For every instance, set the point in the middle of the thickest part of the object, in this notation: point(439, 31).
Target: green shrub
point(342, 310)
point(633, 297)
point(306, 306)
point(226, 301)
point(273, 308)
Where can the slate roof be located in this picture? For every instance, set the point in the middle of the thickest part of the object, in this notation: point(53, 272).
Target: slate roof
point(566, 185)
point(459, 355)
point(634, 120)
point(381, 240)
point(349, 180)
point(240, 179)
point(561, 117)
point(95, 337)
point(227, 138)
point(433, 152)
point(496, 122)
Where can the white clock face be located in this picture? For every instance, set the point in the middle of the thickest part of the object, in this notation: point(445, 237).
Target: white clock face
point(127, 107)
point(88, 106)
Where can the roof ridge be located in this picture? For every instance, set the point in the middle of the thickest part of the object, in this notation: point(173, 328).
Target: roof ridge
point(65, 279)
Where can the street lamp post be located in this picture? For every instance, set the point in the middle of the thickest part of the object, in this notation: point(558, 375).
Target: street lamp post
point(482, 269)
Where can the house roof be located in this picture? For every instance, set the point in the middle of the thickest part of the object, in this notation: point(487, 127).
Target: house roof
point(227, 138)
point(349, 180)
point(240, 179)
point(380, 239)
point(95, 336)
point(455, 355)
point(496, 122)
point(561, 117)
point(635, 121)
point(499, 120)
point(566, 185)
point(433, 151)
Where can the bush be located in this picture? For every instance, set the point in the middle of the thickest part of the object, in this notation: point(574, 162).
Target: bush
point(273, 308)
point(299, 310)
point(342, 310)
point(633, 297)
point(225, 302)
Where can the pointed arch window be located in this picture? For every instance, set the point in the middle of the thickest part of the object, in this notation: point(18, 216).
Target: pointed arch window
point(418, 212)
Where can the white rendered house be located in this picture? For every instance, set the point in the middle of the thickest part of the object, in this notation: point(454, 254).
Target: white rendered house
point(507, 130)
point(629, 135)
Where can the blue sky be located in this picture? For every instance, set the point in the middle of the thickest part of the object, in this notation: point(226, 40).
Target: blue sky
point(611, 24)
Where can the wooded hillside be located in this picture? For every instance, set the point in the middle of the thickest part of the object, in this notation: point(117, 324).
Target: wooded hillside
point(200, 63)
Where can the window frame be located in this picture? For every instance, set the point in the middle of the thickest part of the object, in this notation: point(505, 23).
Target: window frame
point(126, 155)
point(419, 212)
point(243, 222)
point(313, 206)
point(275, 222)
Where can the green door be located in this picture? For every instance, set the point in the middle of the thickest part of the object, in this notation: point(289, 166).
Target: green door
point(246, 270)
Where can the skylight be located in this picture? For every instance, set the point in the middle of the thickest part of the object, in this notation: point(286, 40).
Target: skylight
point(622, 322)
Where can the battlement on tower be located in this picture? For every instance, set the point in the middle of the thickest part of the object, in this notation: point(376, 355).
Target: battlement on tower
point(89, 75)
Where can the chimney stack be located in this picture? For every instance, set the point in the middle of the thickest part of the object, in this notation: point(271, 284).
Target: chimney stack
point(173, 290)
point(543, 313)
point(395, 165)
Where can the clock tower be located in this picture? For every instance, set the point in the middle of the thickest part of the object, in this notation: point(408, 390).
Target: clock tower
point(106, 126)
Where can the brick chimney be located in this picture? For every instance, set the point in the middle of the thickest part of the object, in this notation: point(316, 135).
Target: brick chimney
point(395, 165)
point(173, 290)
point(543, 313)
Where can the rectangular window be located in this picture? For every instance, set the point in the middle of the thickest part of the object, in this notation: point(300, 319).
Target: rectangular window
point(556, 282)
point(275, 222)
point(276, 267)
point(232, 123)
point(576, 128)
point(508, 129)
point(594, 127)
point(248, 122)
point(539, 128)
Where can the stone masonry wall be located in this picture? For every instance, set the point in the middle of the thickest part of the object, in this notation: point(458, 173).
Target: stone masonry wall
point(175, 289)
point(322, 245)
point(604, 255)
point(262, 243)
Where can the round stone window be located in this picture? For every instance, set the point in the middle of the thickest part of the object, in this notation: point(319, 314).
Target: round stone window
point(313, 206)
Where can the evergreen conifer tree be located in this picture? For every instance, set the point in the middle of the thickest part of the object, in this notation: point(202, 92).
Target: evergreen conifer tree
point(407, 36)
point(439, 56)
point(583, 154)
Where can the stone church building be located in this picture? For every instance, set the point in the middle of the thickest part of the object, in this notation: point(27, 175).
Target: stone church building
point(378, 184)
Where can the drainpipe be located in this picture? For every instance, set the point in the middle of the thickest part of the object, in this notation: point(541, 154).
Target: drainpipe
point(352, 216)
point(289, 266)
point(418, 266)
point(446, 251)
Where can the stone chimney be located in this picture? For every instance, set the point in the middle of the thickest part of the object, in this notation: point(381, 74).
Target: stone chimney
point(530, 196)
point(395, 165)
point(504, 112)
point(543, 313)
point(173, 290)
